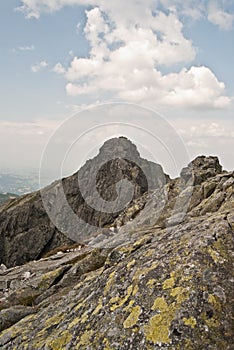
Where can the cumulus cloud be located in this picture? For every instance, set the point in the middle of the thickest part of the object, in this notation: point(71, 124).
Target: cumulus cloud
point(39, 66)
point(196, 87)
point(130, 42)
point(190, 8)
point(125, 60)
point(218, 16)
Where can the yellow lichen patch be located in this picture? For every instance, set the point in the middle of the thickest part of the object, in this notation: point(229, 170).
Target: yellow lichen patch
point(143, 271)
point(220, 246)
point(187, 278)
point(150, 284)
point(188, 345)
point(130, 264)
point(74, 322)
point(215, 255)
point(160, 304)
point(158, 328)
point(107, 344)
point(191, 321)
point(212, 322)
point(84, 317)
point(117, 301)
point(93, 274)
point(52, 321)
point(129, 306)
point(78, 285)
point(60, 342)
point(79, 306)
point(176, 291)
point(42, 334)
point(157, 331)
point(212, 299)
point(99, 307)
point(132, 319)
point(48, 278)
point(169, 283)
point(135, 290)
point(84, 340)
point(149, 252)
point(109, 283)
point(130, 248)
point(180, 293)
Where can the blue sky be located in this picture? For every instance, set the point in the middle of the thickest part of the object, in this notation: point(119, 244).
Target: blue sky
point(172, 56)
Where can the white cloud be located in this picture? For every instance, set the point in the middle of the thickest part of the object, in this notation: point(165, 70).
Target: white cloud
point(58, 68)
point(26, 48)
point(205, 129)
point(217, 12)
point(129, 42)
point(209, 136)
point(196, 87)
point(218, 16)
point(39, 66)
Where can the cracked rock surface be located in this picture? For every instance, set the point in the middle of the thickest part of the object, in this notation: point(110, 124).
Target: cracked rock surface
point(162, 280)
point(27, 233)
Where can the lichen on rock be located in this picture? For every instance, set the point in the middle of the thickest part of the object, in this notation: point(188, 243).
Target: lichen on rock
point(155, 284)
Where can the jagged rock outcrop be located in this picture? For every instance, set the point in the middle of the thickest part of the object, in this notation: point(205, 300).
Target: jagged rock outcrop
point(164, 280)
point(26, 231)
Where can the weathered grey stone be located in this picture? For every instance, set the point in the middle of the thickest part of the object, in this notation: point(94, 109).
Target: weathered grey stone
point(162, 280)
point(8, 317)
point(26, 232)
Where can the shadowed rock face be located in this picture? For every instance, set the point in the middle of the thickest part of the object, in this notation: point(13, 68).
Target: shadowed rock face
point(26, 232)
point(163, 281)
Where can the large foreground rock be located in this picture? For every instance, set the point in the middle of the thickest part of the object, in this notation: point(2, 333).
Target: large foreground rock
point(163, 281)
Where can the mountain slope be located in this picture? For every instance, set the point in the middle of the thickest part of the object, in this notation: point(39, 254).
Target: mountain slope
point(4, 197)
point(164, 280)
point(27, 233)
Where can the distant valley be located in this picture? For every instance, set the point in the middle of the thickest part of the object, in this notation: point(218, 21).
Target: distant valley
point(6, 196)
point(11, 183)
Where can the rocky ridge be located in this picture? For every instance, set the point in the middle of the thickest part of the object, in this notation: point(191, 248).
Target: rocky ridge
point(26, 231)
point(163, 280)
point(4, 197)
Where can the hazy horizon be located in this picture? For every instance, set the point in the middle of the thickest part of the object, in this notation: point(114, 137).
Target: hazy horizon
point(173, 57)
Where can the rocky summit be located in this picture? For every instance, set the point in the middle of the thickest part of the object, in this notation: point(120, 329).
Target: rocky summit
point(157, 274)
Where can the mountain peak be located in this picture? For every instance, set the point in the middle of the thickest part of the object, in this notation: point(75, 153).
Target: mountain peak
point(119, 147)
point(201, 168)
